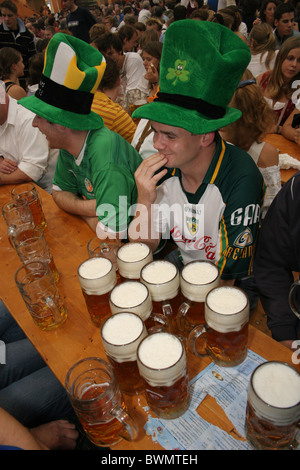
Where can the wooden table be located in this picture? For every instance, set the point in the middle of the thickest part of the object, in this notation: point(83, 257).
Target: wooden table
point(78, 338)
point(284, 146)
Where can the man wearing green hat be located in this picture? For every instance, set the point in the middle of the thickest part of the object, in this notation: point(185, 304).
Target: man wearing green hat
point(94, 175)
point(211, 204)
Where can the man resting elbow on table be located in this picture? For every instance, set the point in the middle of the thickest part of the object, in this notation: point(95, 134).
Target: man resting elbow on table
point(94, 175)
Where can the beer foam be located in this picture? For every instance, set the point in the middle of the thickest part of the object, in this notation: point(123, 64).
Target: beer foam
point(158, 272)
point(160, 351)
point(122, 328)
point(226, 300)
point(94, 268)
point(200, 272)
point(129, 294)
point(277, 384)
point(132, 252)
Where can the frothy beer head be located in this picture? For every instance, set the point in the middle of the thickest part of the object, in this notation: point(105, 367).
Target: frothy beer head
point(131, 257)
point(226, 309)
point(197, 279)
point(97, 276)
point(161, 359)
point(121, 335)
point(162, 279)
point(131, 296)
point(274, 392)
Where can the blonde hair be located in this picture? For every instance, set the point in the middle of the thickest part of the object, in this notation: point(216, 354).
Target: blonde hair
point(262, 41)
point(276, 85)
point(257, 117)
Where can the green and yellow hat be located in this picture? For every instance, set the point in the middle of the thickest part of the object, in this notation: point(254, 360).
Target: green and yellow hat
point(200, 68)
point(72, 72)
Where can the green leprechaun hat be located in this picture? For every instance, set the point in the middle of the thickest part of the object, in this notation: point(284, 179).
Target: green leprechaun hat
point(72, 72)
point(200, 68)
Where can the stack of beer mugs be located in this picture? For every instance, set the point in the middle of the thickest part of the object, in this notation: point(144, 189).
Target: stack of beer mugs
point(36, 279)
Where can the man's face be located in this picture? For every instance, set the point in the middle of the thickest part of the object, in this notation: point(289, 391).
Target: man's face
point(115, 55)
point(129, 44)
point(53, 132)
point(10, 19)
point(284, 26)
point(66, 4)
point(179, 146)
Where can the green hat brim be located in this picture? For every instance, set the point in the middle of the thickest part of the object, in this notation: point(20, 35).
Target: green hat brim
point(81, 122)
point(187, 119)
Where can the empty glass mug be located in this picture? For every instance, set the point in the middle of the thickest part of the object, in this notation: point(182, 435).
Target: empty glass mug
point(29, 192)
point(94, 393)
point(18, 217)
point(40, 294)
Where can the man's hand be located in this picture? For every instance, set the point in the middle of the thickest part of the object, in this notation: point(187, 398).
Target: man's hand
point(146, 178)
point(7, 166)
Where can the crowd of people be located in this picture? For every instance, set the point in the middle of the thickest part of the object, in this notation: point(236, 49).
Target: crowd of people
point(178, 99)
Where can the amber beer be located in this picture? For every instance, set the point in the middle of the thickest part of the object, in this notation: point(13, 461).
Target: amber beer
point(121, 334)
point(196, 280)
point(273, 407)
point(97, 277)
point(162, 363)
point(29, 192)
point(94, 393)
point(162, 279)
point(225, 333)
point(131, 258)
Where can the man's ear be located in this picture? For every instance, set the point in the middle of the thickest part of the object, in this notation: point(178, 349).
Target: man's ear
point(207, 139)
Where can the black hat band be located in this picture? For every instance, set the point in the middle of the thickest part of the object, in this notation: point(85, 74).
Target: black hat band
point(59, 96)
point(196, 104)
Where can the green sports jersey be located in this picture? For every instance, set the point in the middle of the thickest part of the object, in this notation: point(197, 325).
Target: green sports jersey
point(104, 171)
point(220, 221)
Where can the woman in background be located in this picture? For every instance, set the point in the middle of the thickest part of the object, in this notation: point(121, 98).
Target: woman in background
point(11, 68)
point(263, 49)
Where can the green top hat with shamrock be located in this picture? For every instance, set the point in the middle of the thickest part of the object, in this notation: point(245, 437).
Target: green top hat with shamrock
point(72, 72)
point(200, 68)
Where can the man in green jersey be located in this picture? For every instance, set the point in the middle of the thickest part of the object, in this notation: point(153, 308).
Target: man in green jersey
point(94, 176)
point(211, 205)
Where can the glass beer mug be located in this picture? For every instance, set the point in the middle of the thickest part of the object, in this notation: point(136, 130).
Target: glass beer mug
point(94, 393)
point(133, 296)
point(197, 278)
point(294, 294)
point(97, 277)
point(29, 192)
point(224, 337)
point(121, 334)
point(40, 294)
point(18, 217)
point(131, 258)
point(161, 361)
point(273, 407)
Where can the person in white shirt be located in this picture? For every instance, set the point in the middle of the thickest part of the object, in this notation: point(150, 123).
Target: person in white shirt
point(24, 150)
point(145, 12)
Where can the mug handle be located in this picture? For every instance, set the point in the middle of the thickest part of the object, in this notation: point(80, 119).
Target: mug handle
point(192, 338)
point(11, 231)
point(163, 323)
point(167, 309)
point(52, 305)
point(294, 305)
point(131, 430)
point(182, 311)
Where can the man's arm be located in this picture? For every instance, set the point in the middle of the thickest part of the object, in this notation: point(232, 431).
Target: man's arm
point(141, 228)
point(15, 177)
point(73, 204)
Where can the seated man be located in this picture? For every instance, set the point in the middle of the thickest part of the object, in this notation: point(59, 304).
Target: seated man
point(94, 176)
point(211, 206)
point(25, 154)
point(277, 257)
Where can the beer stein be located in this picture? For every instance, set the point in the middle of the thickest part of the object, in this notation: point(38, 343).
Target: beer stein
point(18, 217)
point(197, 278)
point(162, 279)
point(107, 249)
point(31, 245)
point(40, 294)
point(161, 361)
point(294, 303)
point(133, 296)
point(29, 192)
point(97, 277)
point(121, 334)
point(131, 258)
point(224, 336)
point(96, 398)
point(273, 407)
